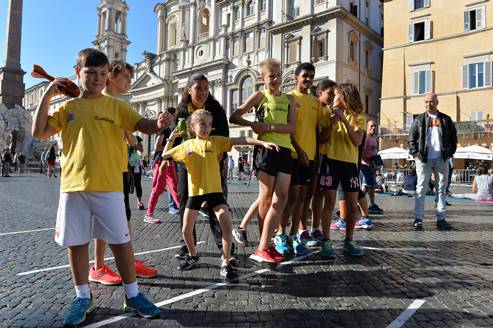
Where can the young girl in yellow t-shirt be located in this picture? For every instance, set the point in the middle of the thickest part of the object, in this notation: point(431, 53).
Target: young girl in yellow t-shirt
point(201, 157)
point(340, 164)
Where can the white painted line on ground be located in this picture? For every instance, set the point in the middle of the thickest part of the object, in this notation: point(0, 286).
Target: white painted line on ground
point(402, 249)
point(24, 231)
point(408, 313)
point(106, 259)
point(196, 292)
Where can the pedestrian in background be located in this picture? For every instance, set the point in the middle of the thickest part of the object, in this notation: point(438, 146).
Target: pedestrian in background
point(432, 142)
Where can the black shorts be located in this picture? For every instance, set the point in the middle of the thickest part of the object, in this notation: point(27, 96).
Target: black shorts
point(213, 199)
point(302, 175)
point(333, 172)
point(272, 161)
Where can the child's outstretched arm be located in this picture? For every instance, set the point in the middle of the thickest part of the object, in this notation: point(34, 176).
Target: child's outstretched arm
point(255, 142)
point(41, 129)
point(153, 126)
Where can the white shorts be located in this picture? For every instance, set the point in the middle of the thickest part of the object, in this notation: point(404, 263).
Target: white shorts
point(85, 215)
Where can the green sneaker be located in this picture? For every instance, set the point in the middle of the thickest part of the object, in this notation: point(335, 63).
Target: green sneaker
point(76, 313)
point(327, 249)
point(352, 248)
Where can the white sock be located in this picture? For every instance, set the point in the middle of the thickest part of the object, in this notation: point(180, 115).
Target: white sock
point(82, 291)
point(131, 290)
point(300, 232)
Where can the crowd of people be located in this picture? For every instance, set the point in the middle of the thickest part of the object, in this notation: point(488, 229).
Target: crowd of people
point(12, 164)
point(314, 145)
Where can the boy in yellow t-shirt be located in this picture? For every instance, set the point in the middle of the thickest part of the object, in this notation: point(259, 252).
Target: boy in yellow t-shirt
point(91, 198)
point(304, 142)
point(201, 157)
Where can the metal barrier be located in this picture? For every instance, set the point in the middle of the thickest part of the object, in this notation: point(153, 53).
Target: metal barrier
point(459, 176)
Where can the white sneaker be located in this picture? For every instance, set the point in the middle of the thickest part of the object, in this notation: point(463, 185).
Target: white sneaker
point(151, 219)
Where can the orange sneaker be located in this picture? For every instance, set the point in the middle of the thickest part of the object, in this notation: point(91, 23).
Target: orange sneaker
point(104, 275)
point(143, 271)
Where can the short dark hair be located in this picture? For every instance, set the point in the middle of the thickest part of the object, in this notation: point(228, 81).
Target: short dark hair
point(482, 170)
point(117, 66)
point(325, 84)
point(304, 66)
point(91, 57)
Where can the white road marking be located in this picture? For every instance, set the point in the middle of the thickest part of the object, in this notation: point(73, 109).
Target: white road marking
point(24, 231)
point(106, 259)
point(196, 292)
point(408, 313)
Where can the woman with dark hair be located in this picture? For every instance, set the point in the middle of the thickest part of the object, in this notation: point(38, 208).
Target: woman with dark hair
point(197, 96)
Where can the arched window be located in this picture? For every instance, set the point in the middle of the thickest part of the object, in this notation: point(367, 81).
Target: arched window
point(118, 22)
point(250, 8)
point(172, 32)
point(247, 88)
point(204, 23)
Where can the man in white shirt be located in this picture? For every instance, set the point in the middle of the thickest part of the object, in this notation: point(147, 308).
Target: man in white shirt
point(432, 142)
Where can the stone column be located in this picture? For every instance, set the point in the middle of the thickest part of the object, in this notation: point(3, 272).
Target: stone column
point(11, 75)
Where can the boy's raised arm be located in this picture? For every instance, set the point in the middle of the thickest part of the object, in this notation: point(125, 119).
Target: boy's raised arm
point(254, 142)
point(147, 126)
point(41, 129)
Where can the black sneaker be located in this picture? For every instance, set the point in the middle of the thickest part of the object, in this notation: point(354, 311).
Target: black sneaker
point(189, 263)
point(418, 224)
point(227, 273)
point(375, 209)
point(182, 253)
point(443, 225)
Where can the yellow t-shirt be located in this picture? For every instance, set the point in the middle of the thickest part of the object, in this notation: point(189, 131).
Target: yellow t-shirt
point(91, 132)
point(340, 147)
point(308, 116)
point(201, 158)
point(123, 147)
point(324, 122)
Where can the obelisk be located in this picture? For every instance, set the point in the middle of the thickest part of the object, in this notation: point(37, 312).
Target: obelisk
point(11, 74)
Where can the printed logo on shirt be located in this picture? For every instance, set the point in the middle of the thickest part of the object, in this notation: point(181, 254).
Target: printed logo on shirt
point(70, 117)
point(104, 119)
point(434, 123)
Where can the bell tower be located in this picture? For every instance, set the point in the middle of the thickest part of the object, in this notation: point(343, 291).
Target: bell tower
point(111, 37)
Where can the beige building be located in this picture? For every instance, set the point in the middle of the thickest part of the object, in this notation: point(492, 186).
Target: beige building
point(443, 47)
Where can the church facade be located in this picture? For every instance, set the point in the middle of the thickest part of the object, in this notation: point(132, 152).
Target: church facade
point(227, 39)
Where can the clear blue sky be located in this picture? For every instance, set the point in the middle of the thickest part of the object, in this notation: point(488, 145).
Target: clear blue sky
point(54, 31)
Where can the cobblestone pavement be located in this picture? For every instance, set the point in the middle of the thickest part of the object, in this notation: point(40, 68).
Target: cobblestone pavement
point(450, 271)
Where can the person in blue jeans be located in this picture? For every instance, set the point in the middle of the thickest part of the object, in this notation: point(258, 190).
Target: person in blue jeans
point(432, 141)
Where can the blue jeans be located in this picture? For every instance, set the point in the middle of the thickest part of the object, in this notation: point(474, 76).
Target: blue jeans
point(423, 170)
point(171, 202)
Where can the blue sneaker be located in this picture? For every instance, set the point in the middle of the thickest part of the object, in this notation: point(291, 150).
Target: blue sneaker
point(352, 248)
point(340, 224)
point(298, 247)
point(328, 249)
point(281, 243)
point(306, 239)
point(76, 313)
point(141, 305)
point(364, 223)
